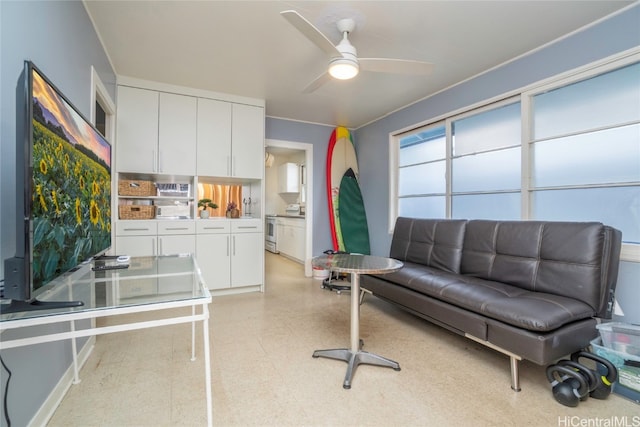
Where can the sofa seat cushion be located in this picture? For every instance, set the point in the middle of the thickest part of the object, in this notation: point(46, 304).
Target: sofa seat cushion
point(534, 311)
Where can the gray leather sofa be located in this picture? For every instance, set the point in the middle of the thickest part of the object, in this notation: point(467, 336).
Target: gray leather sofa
point(529, 289)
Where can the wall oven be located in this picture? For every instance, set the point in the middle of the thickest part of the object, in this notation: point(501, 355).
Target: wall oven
point(270, 235)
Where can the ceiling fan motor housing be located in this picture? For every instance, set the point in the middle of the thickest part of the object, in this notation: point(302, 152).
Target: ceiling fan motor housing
point(346, 66)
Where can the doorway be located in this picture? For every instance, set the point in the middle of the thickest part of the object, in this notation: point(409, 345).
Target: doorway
point(287, 149)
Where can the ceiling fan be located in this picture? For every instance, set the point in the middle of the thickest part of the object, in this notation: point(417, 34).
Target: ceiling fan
point(343, 58)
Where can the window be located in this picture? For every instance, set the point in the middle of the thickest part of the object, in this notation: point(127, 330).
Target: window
point(485, 165)
point(567, 151)
point(101, 119)
point(585, 151)
point(103, 109)
point(422, 173)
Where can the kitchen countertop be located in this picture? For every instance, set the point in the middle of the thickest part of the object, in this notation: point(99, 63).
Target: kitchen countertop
point(285, 216)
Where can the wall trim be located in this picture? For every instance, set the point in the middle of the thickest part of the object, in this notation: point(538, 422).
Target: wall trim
point(58, 393)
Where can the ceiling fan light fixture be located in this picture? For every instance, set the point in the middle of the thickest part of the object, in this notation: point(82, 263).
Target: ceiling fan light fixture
point(343, 69)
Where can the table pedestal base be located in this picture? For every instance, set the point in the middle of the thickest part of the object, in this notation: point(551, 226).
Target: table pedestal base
point(355, 358)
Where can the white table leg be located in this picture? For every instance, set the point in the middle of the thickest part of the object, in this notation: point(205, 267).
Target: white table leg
point(74, 350)
point(207, 364)
point(193, 334)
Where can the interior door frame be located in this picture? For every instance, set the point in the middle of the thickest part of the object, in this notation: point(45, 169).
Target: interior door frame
point(308, 159)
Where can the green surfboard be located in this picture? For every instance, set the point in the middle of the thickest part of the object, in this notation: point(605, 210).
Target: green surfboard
point(353, 218)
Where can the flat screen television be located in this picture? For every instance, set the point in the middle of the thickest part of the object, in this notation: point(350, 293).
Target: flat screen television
point(64, 172)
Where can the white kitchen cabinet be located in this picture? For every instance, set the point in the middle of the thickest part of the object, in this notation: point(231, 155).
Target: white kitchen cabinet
point(214, 137)
point(247, 253)
point(183, 136)
point(291, 238)
point(177, 134)
point(136, 245)
point(137, 129)
point(214, 259)
point(247, 136)
point(177, 244)
point(288, 178)
point(156, 132)
point(213, 252)
point(230, 253)
point(230, 139)
point(148, 238)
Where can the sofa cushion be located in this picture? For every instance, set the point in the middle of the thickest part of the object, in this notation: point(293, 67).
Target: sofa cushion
point(556, 258)
point(432, 242)
point(535, 311)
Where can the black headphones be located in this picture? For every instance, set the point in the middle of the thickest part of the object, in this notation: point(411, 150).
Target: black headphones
point(564, 386)
point(601, 387)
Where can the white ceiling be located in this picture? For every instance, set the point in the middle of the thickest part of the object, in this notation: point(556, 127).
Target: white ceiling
point(246, 48)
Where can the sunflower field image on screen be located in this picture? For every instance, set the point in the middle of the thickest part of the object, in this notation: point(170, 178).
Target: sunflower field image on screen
point(71, 188)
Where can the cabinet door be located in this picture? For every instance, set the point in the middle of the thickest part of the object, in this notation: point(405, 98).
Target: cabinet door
point(137, 130)
point(298, 234)
point(177, 244)
point(214, 138)
point(177, 134)
point(136, 245)
point(247, 259)
point(288, 178)
point(214, 259)
point(247, 141)
point(285, 242)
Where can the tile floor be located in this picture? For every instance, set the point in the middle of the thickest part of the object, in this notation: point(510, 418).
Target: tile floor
point(264, 375)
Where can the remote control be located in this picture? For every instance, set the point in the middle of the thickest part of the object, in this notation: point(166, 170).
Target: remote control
point(110, 267)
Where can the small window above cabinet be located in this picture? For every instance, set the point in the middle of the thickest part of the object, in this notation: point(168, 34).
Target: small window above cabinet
point(288, 178)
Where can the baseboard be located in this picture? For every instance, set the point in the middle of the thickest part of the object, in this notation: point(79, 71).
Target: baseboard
point(233, 291)
point(46, 411)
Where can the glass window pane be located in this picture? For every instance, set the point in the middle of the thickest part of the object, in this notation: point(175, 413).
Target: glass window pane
point(609, 156)
point(604, 100)
point(618, 207)
point(423, 207)
point(502, 206)
point(488, 130)
point(495, 170)
point(424, 146)
point(422, 179)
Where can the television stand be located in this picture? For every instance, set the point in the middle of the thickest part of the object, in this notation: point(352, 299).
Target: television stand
point(17, 306)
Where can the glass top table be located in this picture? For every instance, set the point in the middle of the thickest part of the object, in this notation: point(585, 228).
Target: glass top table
point(148, 280)
point(150, 284)
point(356, 265)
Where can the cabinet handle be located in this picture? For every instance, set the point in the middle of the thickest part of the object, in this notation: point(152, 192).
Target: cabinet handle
point(160, 252)
point(248, 226)
point(176, 228)
point(227, 246)
point(135, 229)
point(153, 246)
point(214, 228)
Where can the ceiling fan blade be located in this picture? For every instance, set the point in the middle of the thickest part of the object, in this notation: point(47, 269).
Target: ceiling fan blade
point(319, 81)
point(311, 32)
point(395, 66)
